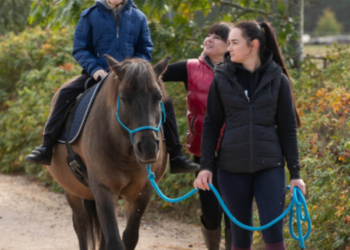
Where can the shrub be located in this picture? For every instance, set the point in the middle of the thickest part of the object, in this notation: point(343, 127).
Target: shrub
point(324, 140)
point(33, 65)
point(327, 24)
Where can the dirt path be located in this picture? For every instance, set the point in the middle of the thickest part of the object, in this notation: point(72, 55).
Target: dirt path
point(31, 217)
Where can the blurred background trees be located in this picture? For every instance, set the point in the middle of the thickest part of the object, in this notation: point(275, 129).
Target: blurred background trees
point(13, 15)
point(327, 24)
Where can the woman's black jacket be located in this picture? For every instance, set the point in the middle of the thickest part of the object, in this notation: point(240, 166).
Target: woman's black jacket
point(260, 130)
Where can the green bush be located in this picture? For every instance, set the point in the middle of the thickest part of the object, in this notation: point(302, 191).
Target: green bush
point(324, 140)
point(33, 65)
point(32, 49)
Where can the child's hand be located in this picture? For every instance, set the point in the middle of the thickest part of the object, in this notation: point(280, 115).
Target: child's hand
point(99, 73)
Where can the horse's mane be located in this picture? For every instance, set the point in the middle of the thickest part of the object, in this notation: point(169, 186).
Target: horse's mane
point(136, 74)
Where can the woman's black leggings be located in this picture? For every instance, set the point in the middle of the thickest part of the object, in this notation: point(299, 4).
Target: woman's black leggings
point(212, 211)
point(268, 186)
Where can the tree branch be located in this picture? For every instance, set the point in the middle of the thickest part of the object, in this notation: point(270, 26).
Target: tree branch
point(246, 10)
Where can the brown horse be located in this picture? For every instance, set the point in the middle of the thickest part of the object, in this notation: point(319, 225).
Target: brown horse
point(115, 165)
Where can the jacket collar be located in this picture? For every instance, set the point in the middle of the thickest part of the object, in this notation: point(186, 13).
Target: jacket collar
point(267, 63)
point(269, 67)
point(203, 58)
point(130, 4)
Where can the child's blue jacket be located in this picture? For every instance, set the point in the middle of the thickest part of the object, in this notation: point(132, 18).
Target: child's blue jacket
point(96, 35)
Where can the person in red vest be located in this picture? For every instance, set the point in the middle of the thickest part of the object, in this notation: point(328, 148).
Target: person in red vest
point(197, 75)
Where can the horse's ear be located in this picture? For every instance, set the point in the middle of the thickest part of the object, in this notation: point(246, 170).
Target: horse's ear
point(161, 67)
point(114, 65)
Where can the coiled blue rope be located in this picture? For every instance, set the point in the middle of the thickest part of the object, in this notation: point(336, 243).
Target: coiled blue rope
point(298, 200)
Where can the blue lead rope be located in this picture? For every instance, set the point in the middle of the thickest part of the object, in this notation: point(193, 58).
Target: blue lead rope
point(298, 200)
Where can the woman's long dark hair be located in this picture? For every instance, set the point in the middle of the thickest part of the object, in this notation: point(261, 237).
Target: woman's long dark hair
point(264, 33)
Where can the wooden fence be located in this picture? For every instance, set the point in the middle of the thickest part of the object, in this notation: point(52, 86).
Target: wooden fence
point(320, 60)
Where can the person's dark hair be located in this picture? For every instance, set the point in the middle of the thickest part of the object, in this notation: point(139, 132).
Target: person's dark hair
point(264, 33)
point(222, 29)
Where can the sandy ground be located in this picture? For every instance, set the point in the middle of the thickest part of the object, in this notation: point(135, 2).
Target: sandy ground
point(31, 217)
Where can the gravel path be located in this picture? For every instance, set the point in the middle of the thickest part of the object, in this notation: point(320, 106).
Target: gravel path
point(31, 217)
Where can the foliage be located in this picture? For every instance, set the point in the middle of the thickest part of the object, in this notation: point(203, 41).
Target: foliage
point(176, 27)
point(32, 49)
point(327, 24)
point(34, 66)
point(13, 15)
point(323, 100)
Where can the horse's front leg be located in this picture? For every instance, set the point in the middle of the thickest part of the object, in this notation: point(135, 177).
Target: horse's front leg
point(80, 220)
point(134, 211)
point(106, 213)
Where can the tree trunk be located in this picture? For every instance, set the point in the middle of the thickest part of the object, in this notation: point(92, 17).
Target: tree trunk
point(295, 10)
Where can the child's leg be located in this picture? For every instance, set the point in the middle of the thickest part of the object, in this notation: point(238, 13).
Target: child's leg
point(179, 163)
point(237, 191)
point(270, 191)
point(65, 98)
point(43, 153)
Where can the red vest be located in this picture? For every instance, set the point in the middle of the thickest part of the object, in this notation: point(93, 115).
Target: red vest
point(200, 76)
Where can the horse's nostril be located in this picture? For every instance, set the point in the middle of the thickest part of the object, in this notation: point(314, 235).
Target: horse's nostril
point(139, 147)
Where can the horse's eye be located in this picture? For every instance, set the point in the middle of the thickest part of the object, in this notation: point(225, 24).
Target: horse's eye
point(123, 99)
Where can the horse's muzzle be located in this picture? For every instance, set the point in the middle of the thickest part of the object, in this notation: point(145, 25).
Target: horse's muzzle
point(147, 148)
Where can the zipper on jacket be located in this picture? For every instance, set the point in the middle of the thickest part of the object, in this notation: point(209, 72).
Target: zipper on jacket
point(251, 130)
point(191, 127)
point(251, 137)
point(246, 95)
point(118, 22)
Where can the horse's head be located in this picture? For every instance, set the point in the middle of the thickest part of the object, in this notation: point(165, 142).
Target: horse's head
point(139, 93)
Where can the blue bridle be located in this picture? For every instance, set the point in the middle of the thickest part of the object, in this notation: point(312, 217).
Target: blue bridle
point(132, 132)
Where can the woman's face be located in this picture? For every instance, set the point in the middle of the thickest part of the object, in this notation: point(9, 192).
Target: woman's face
point(214, 46)
point(238, 48)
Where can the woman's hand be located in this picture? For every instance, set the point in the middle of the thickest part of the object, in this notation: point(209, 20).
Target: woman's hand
point(297, 183)
point(99, 73)
point(204, 177)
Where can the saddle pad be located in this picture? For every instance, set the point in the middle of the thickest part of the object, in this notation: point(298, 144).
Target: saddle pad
point(80, 115)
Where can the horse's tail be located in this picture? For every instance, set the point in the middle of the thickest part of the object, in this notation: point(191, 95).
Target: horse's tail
point(94, 232)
